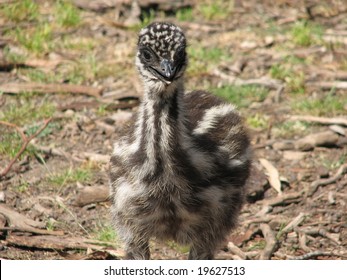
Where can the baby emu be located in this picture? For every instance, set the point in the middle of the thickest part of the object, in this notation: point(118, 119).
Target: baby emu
point(180, 173)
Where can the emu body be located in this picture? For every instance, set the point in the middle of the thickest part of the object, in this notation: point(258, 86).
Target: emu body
point(180, 172)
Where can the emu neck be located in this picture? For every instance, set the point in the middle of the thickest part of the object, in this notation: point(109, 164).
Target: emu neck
point(162, 124)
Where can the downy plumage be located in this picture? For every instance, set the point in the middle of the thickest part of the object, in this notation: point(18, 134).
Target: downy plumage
point(180, 173)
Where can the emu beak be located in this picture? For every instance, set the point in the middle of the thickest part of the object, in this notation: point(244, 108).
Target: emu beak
point(168, 70)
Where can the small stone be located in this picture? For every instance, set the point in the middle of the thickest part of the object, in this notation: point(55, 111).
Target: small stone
point(248, 45)
point(269, 40)
point(122, 117)
point(322, 172)
point(331, 198)
point(2, 196)
point(69, 113)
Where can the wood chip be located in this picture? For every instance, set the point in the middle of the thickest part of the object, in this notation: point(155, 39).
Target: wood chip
point(92, 194)
point(95, 157)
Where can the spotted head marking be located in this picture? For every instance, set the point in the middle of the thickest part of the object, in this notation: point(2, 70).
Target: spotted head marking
point(163, 38)
point(161, 52)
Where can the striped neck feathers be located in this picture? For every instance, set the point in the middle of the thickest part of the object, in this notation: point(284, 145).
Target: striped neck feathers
point(160, 129)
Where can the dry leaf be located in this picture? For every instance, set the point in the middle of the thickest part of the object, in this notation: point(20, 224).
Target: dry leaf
point(272, 173)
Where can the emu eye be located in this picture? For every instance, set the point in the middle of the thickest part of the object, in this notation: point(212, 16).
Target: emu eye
point(146, 55)
point(180, 55)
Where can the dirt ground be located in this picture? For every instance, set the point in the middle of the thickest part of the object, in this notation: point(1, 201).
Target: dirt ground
point(287, 64)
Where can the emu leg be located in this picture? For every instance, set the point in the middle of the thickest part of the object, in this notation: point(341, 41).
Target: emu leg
point(137, 251)
point(198, 252)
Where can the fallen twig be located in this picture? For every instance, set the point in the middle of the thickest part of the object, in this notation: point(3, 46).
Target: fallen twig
point(323, 182)
point(98, 6)
point(328, 85)
point(332, 74)
point(26, 140)
point(236, 251)
point(265, 82)
point(34, 63)
point(302, 242)
point(51, 151)
point(19, 222)
point(279, 219)
point(6, 1)
point(81, 156)
point(200, 27)
point(294, 223)
point(56, 243)
point(322, 232)
point(123, 93)
point(284, 199)
point(320, 120)
point(314, 255)
point(321, 139)
point(16, 88)
point(95, 157)
point(80, 105)
point(122, 105)
point(271, 243)
point(267, 143)
point(105, 254)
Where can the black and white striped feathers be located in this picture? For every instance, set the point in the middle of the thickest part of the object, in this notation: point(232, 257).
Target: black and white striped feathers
point(180, 173)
